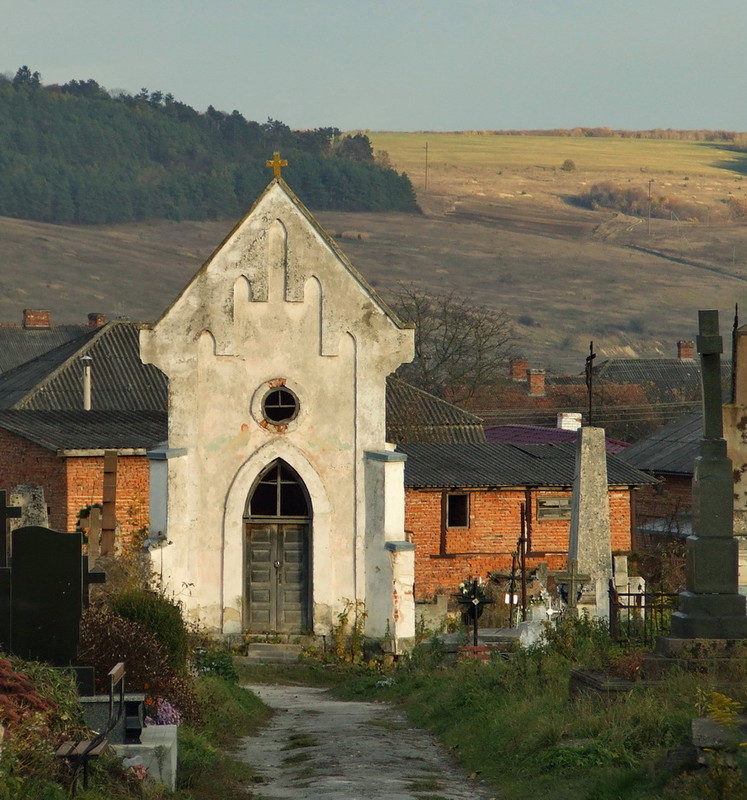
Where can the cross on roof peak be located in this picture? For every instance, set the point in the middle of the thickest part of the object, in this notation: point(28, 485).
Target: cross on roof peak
point(276, 163)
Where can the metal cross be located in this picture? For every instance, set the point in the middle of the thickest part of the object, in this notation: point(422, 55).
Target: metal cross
point(573, 580)
point(277, 163)
point(590, 375)
point(6, 512)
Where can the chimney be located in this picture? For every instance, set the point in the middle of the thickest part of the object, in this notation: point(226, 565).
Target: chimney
point(96, 320)
point(517, 368)
point(685, 350)
point(569, 420)
point(87, 361)
point(35, 318)
point(536, 382)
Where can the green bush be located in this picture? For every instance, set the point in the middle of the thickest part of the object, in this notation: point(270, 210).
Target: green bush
point(106, 639)
point(215, 662)
point(160, 616)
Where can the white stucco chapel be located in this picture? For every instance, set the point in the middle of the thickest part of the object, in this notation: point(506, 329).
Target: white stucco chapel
point(277, 497)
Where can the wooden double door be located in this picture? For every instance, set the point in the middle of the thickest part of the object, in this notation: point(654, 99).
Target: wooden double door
point(277, 574)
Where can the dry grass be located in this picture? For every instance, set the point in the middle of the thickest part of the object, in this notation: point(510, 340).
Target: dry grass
point(498, 226)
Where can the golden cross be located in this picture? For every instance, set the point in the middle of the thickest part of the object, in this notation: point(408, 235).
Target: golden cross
point(276, 163)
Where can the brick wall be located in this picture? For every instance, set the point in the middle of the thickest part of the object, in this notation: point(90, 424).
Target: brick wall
point(23, 462)
point(74, 482)
point(85, 481)
point(495, 526)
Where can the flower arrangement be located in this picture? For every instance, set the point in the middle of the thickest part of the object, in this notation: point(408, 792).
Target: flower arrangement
point(161, 712)
point(473, 589)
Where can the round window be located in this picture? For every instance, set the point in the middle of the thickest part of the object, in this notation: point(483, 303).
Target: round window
point(280, 406)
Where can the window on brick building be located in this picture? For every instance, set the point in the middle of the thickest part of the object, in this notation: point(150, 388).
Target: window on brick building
point(554, 507)
point(457, 511)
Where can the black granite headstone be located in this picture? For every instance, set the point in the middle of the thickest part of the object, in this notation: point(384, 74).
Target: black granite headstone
point(46, 594)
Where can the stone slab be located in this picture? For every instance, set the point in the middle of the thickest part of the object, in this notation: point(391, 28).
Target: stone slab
point(158, 750)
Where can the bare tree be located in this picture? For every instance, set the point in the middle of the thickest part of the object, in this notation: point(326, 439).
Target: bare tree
point(460, 348)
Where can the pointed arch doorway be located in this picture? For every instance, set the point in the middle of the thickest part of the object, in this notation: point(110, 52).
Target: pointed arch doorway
point(278, 553)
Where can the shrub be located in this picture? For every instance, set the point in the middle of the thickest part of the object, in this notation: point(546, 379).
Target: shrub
point(160, 616)
point(635, 201)
point(568, 165)
point(215, 662)
point(39, 709)
point(107, 639)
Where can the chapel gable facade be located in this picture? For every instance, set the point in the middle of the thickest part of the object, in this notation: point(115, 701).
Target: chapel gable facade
point(281, 499)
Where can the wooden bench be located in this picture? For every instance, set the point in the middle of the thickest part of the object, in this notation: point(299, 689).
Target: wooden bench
point(78, 754)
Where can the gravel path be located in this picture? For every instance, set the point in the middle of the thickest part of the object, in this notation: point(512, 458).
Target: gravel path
point(318, 747)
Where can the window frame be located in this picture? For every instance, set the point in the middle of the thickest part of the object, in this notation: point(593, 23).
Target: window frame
point(465, 512)
point(559, 511)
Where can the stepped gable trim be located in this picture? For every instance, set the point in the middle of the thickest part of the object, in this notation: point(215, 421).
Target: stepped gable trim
point(328, 240)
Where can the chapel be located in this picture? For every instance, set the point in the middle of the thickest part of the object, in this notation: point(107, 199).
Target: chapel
point(279, 500)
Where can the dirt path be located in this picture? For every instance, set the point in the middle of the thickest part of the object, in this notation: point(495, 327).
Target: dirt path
point(318, 747)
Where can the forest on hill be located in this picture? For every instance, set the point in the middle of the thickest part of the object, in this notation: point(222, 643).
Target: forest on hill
point(75, 153)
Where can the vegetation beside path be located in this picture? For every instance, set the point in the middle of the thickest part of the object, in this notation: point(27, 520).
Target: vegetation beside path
point(513, 724)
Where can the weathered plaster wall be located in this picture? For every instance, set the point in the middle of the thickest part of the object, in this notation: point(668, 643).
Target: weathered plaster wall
point(275, 304)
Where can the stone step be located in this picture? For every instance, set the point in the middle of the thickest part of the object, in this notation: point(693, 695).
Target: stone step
point(267, 653)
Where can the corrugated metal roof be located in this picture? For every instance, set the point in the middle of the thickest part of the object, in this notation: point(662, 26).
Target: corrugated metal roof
point(87, 430)
point(664, 378)
point(19, 345)
point(491, 465)
point(672, 449)
point(413, 415)
point(119, 379)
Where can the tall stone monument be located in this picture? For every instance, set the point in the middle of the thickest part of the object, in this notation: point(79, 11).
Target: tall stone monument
point(711, 606)
point(589, 546)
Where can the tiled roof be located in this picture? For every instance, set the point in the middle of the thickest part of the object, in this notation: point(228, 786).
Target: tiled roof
point(119, 379)
point(671, 450)
point(87, 430)
point(492, 465)
point(19, 345)
point(535, 434)
point(413, 415)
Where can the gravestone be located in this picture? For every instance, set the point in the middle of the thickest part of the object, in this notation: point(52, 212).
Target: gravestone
point(711, 606)
point(589, 544)
point(6, 514)
point(30, 499)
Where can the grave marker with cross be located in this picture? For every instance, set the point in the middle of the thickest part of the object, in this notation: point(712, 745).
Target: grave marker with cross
point(574, 581)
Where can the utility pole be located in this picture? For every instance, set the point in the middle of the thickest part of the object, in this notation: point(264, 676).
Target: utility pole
point(426, 166)
point(651, 180)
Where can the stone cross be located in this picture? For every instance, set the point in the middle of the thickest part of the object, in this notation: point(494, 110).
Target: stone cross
point(6, 513)
point(276, 163)
point(711, 606)
point(574, 581)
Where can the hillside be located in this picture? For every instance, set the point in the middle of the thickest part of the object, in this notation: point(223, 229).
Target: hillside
point(498, 226)
point(74, 153)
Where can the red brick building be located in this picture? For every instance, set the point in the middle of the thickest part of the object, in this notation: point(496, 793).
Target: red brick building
point(463, 508)
point(63, 451)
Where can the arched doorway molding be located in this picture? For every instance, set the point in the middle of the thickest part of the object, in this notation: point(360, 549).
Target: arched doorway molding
point(233, 527)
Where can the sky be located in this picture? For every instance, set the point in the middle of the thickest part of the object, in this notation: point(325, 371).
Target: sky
point(409, 65)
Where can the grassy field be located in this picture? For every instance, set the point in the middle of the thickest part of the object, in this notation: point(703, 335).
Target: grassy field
point(489, 153)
